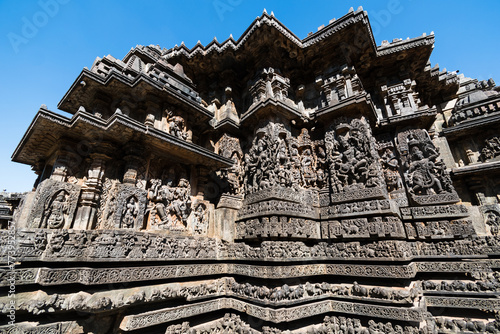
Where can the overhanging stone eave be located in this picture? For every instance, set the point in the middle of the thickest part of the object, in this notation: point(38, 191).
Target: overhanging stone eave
point(361, 102)
point(425, 117)
point(128, 83)
point(406, 45)
point(277, 105)
point(27, 135)
point(82, 122)
point(324, 35)
point(471, 126)
point(478, 168)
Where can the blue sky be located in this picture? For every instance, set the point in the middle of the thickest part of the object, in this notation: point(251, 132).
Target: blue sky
point(45, 44)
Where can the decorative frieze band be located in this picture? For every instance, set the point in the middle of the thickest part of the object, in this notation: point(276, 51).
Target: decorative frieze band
point(466, 303)
point(435, 212)
point(138, 321)
point(94, 276)
point(360, 194)
point(286, 194)
point(354, 209)
point(278, 207)
point(130, 246)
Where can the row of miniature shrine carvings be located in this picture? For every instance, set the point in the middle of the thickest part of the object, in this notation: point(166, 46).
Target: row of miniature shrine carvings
point(123, 206)
point(143, 320)
point(117, 245)
point(347, 160)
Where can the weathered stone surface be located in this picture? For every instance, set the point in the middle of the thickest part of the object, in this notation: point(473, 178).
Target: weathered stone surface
point(280, 180)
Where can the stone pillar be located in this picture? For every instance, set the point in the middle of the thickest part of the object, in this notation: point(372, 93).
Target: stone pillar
point(89, 198)
point(62, 165)
point(132, 163)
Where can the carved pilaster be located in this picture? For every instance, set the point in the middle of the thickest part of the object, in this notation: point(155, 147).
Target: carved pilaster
point(89, 200)
point(132, 163)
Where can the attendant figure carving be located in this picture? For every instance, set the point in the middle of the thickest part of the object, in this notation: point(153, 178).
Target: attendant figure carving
point(56, 211)
point(130, 212)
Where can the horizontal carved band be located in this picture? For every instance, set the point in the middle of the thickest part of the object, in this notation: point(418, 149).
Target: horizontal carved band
point(91, 276)
point(440, 229)
point(277, 207)
point(373, 207)
point(467, 303)
point(131, 246)
point(133, 322)
point(278, 227)
point(356, 195)
point(285, 194)
point(435, 212)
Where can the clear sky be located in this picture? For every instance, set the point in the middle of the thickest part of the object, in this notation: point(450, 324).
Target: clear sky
point(45, 44)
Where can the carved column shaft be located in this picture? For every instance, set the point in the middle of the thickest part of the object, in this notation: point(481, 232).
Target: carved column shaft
point(89, 200)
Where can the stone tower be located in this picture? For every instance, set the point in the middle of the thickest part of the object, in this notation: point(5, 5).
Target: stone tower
point(262, 185)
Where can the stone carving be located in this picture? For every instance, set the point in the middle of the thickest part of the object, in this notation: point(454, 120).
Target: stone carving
point(491, 149)
point(440, 229)
point(268, 162)
point(130, 212)
point(275, 226)
point(275, 207)
point(285, 293)
point(340, 83)
point(55, 205)
point(276, 159)
point(362, 228)
point(490, 284)
point(309, 196)
point(446, 325)
point(356, 209)
point(469, 107)
point(107, 205)
point(328, 201)
point(269, 84)
point(230, 323)
point(56, 210)
point(122, 245)
point(172, 204)
point(354, 163)
point(390, 165)
point(340, 324)
point(229, 147)
point(123, 206)
point(279, 315)
point(467, 303)
point(401, 98)
point(435, 211)
point(426, 177)
point(200, 219)
point(28, 328)
point(177, 127)
point(493, 221)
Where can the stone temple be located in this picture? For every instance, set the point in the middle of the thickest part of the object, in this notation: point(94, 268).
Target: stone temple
point(268, 184)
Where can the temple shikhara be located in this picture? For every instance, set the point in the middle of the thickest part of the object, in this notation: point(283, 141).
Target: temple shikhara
point(269, 184)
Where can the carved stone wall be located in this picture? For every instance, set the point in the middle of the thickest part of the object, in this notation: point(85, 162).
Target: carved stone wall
point(266, 185)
